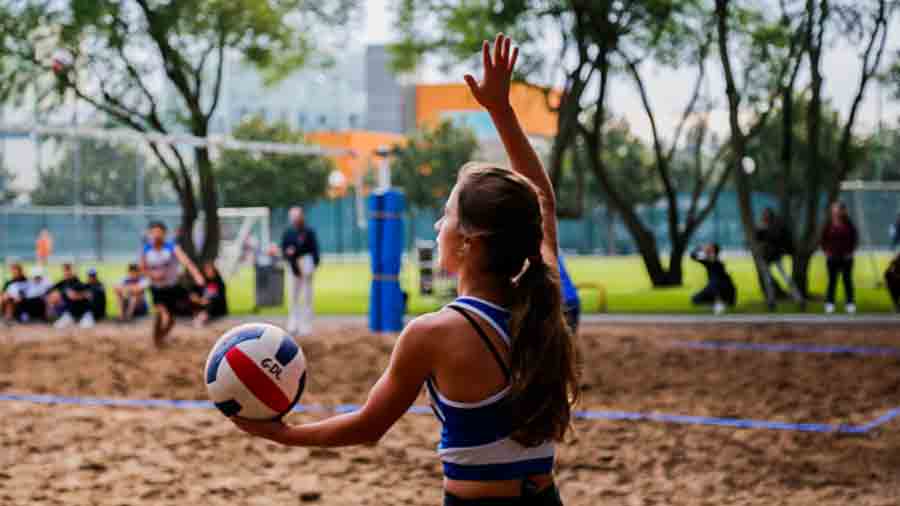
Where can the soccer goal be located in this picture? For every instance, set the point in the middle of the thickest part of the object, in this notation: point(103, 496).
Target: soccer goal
point(874, 206)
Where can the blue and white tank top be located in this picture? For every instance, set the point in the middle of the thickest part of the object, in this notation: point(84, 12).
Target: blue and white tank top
point(162, 264)
point(475, 437)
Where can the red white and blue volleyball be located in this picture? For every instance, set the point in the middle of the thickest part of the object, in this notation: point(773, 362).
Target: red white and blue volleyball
point(255, 371)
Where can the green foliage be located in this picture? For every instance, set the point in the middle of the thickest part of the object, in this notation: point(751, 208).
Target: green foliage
point(764, 149)
point(270, 180)
point(426, 167)
point(7, 177)
point(119, 50)
point(883, 150)
point(109, 175)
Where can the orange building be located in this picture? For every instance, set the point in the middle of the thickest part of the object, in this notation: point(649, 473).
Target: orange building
point(362, 143)
point(433, 103)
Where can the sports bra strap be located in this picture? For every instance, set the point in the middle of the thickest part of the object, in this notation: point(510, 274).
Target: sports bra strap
point(487, 340)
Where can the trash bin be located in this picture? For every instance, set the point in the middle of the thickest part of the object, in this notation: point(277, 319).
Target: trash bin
point(269, 285)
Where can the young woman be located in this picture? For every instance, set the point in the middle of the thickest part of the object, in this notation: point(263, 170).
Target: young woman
point(160, 261)
point(839, 241)
point(499, 361)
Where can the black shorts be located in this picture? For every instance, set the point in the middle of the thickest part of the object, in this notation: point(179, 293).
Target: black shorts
point(32, 309)
point(547, 497)
point(168, 296)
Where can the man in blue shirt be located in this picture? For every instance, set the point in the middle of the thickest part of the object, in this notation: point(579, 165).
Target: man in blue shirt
point(300, 249)
point(571, 302)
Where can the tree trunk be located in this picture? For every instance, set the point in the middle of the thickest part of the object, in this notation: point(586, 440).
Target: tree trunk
point(188, 218)
point(676, 258)
point(210, 201)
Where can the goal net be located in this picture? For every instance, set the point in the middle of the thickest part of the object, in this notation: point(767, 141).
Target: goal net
point(114, 234)
point(874, 206)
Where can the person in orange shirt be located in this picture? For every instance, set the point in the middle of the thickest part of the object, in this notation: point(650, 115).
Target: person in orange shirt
point(43, 247)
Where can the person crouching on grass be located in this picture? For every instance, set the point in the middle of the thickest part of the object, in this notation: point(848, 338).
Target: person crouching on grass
point(499, 361)
point(719, 290)
point(160, 260)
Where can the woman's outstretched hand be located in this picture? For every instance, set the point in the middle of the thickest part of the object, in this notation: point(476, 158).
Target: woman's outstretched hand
point(493, 90)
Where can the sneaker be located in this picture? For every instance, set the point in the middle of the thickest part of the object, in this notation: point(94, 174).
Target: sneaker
point(718, 308)
point(64, 321)
point(850, 308)
point(87, 321)
point(829, 308)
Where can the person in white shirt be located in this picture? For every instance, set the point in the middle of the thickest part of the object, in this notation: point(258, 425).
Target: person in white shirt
point(26, 299)
point(131, 294)
point(161, 261)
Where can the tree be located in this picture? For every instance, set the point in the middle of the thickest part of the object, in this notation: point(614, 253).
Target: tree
point(108, 177)
point(807, 29)
point(600, 39)
point(108, 53)
point(427, 165)
point(270, 180)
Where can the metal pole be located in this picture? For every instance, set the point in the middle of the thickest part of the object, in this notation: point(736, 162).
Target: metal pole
point(77, 158)
point(140, 179)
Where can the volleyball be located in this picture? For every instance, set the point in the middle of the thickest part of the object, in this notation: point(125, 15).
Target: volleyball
point(255, 371)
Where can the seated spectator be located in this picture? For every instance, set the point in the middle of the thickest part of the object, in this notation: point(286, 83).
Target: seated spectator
point(71, 300)
point(209, 300)
point(13, 289)
point(720, 290)
point(892, 280)
point(131, 294)
point(26, 300)
point(98, 295)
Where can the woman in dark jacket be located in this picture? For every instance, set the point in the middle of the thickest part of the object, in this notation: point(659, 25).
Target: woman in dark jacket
point(209, 300)
point(839, 241)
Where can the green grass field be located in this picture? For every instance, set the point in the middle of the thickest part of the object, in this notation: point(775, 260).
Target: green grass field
point(342, 288)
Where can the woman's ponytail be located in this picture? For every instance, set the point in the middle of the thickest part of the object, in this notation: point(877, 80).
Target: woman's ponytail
point(503, 209)
point(542, 361)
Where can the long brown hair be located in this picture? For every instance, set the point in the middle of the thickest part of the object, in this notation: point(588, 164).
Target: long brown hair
point(502, 208)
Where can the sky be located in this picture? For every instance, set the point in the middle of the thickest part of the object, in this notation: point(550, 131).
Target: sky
point(669, 91)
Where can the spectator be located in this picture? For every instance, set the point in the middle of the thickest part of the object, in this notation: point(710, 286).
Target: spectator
point(71, 300)
point(775, 242)
point(210, 301)
point(43, 247)
point(719, 290)
point(26, 300)
point(301, 251)
point(839, 241)
point(13, 290)
point(130, 293)
point(895, 233)
point(892, 280)
point(160, 260)
point(98, 295)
